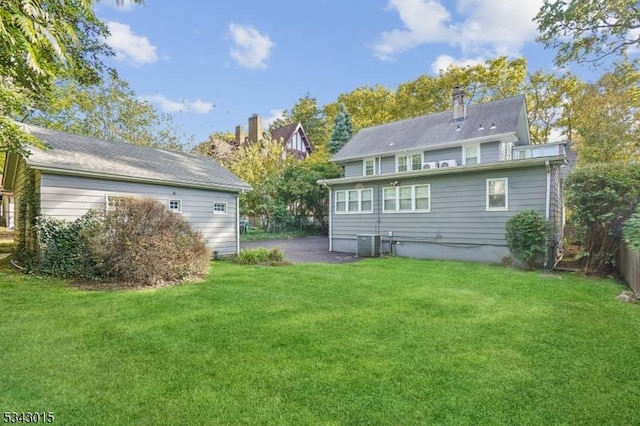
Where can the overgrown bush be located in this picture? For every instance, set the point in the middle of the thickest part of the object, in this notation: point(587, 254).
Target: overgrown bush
point(138, 242)
point(142, 242)
point(260, 256)
point(631, 230)
point(527, 237)
point(62, 252)
point(601, 198)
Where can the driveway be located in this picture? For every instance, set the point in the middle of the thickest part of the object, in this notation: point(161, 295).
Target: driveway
point(313, 248)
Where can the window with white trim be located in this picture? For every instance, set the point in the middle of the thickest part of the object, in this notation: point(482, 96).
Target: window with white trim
point(113, 201)
point(498, 194)
point(409, 162)
point(175, 206)
point(369, 166)
point(219, 208)
point(471, 155)
point(505, 150)
point(414, 198)
point(354, 201)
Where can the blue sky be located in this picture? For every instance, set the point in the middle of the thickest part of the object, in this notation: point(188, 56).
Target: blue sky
point(214, 63)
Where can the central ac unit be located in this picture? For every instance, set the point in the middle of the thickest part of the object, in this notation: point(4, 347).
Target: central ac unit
point(430, 165)
point(447, 163)
point(367, 245)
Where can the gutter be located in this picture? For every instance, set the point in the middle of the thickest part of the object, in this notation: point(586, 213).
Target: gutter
point(59, 171)
point(498, 165)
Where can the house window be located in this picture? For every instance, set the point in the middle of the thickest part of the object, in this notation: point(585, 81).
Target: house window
point(175, 206)
point(369, 165)
point(407, 163)
point(219, 208)
point(113, 201)
point(471, 155)
point(414, 198)
point(497, 194)
point(354, 201)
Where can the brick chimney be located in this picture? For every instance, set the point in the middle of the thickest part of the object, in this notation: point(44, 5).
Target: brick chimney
point(255, 128)
point(459, 106)
point(239, 136)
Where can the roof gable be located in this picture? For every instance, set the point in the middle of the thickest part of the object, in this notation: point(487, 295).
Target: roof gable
point(286, 133)
point(68, 153)
point(482, 120)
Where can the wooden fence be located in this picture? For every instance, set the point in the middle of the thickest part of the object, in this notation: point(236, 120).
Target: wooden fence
point(629, 266)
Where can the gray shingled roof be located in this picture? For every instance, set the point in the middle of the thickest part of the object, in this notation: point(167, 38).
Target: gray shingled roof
point(434, 129)
point(84, 155)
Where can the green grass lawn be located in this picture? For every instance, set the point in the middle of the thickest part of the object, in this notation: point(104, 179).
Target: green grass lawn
point(385, 341)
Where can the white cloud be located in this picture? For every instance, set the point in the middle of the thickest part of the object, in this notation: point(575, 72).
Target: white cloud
point(482, 28)
point(443, 62)
point(251, 49)
point(130, 47)
point(274, 114)
point(184, 105)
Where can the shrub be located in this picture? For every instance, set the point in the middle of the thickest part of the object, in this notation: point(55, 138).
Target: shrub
point(601, 198)
point(527, 237)
point(140, 241)
point(260, 256)
point(631, 230)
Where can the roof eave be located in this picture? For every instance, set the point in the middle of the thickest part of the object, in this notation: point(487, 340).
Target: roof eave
point(488, 138)
point(84, 173)
point(498, 165)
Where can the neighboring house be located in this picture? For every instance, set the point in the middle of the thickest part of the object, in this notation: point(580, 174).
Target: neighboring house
point(76, 173)
point(293, 136)
point(443, 185)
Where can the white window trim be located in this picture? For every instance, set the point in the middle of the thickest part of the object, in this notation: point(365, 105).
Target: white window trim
point(413, 199)
point(506, 196)
point(364, 166)
point(217, 211)
point(464, 149)
point(346, 195)
point(409, 156)
point(179, 210)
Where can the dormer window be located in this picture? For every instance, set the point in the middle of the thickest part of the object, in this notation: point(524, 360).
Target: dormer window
point(471, 154)
point(369, 167)
point(409, 162)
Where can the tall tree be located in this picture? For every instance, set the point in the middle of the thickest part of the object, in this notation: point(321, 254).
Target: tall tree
point(606, 117)
point(367, 106)
point(108, 110)
point(39, 42)
point(589, 30)
point(220, 146)
point(342, 130)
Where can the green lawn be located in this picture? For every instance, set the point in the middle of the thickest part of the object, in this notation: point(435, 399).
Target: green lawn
point(385, 341)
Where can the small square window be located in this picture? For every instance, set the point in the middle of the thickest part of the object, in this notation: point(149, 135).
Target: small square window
point(114, 201)
point(219, 208)
point(175, 206)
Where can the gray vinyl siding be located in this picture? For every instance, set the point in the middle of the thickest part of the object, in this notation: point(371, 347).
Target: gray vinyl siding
point(458, 219)
point(490, 152)
point(388, 164)
point(353, 168)
point(453, 153)
point(69, 197)
point(556, 206)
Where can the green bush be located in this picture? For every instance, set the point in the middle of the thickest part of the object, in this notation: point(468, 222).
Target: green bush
point(601, 197)
point(260, 256)
point(527, 237)
point(139, 242)
point(631, 230)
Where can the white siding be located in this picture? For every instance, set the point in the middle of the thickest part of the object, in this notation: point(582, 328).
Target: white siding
point(69, 197)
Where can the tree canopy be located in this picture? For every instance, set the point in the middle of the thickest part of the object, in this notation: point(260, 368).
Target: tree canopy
point(342, 130)
point(589, 30)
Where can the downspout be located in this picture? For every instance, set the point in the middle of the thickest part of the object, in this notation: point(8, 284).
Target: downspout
point(548, 206)
point(330, 224)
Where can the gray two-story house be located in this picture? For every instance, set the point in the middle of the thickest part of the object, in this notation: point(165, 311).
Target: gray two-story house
point(443, 185)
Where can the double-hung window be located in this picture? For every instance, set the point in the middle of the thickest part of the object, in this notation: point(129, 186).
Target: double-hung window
point(409, 162)
point(354, 201)
point(498, 194)
point(369, 166)
point(471, 154)
point(413, 198)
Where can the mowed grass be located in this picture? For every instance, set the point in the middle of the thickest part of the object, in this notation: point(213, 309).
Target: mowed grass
point(385, 341)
